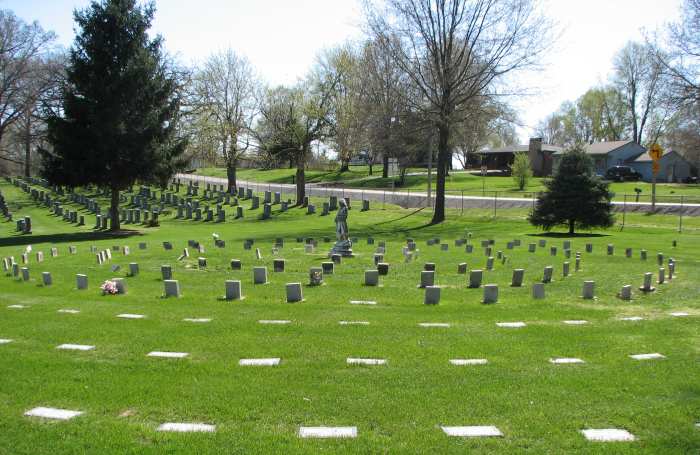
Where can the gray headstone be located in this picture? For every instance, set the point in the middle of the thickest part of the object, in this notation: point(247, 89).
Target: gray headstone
point(81, 281)
point(432, 295)
point(46, 278)
point(166, 272)
point(626, 292)
point(259, 275)
point(517, 279)
point(588, 289)
point(475, 277)
point(538, 291)
point(294, 292)
point(371, 277)
point(172, 288)
point(427, 278)
point(490, 293)
point(233, 290)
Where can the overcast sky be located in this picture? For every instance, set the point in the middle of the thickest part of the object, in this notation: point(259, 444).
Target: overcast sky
point(281, 37)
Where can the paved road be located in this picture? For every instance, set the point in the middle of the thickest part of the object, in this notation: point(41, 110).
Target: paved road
point(415, 199)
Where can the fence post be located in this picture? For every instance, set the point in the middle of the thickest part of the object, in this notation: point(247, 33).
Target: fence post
point(624, 211)
point(383, 198)
point(495, 201)
point(462, 202)
point(680, 217)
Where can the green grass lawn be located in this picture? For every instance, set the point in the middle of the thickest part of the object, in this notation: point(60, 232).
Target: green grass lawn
point(457, 182)
point(398, 407)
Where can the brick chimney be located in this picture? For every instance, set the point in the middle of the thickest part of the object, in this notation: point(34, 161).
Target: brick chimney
point(534, 152)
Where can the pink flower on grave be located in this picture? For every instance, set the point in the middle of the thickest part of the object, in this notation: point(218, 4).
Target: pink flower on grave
point(109, 288)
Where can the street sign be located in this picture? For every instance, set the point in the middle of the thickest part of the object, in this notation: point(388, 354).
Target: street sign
point(656, 152)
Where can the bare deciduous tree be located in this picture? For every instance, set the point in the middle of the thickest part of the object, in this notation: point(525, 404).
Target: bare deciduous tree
point(227, 94)
point(24, 48)
point(454, 51)
point(640, 78)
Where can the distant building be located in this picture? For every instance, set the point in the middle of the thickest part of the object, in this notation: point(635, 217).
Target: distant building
point(541, 156)
point(545, 158)
point(608, 154)
point(672, 167)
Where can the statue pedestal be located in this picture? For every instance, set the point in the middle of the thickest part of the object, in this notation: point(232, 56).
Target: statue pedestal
point(343, 248)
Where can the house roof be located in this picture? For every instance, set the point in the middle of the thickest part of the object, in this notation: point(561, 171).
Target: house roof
point(603, 148)
point(521, 148)
point(644, 157)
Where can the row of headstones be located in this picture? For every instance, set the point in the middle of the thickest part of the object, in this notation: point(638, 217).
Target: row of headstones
point(4, 209)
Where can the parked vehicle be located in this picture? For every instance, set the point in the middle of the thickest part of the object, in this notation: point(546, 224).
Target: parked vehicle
point(622, 174)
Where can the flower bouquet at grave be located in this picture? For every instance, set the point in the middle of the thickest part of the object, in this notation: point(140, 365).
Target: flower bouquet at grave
point(109, 287)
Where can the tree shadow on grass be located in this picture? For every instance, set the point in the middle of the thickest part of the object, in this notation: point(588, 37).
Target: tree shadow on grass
point(23, 239)
point(567, 235)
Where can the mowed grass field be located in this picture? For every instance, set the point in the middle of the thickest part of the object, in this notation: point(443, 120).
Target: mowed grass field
point(456, 183)
point(398, 407)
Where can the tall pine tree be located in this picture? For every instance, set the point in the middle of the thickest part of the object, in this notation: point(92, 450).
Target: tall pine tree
point(120, 105)
point(575, 197)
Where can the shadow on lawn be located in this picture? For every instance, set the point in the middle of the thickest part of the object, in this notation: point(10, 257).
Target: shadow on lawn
point(566, 235)
point(23, 239)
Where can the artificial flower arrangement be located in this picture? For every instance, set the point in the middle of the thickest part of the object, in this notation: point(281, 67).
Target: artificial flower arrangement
point(109, 287)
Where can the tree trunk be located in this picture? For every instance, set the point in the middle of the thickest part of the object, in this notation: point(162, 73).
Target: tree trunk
point(344, 165)
point(370, 168)
point(443, 156)
point(114, 208)
point(301, 180)
point(571, 227)
point(28, 151)
point(385, 170)
point(231, 176)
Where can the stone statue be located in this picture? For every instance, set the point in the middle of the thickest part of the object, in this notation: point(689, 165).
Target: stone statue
point(341, 224)
point(343, 246)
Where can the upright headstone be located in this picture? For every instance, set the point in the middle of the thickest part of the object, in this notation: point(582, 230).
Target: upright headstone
point(294, 292)
point(432, 295)
point(475, 277)
point(172, 288)
point(588, 289)
point(517, 279)
point(233, 290)
point(259, 275)
point(490, 293)
point(538, 291)
point(81, 281)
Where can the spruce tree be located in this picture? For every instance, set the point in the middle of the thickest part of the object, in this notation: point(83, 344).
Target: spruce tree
point(574, 197)
point(120, 105)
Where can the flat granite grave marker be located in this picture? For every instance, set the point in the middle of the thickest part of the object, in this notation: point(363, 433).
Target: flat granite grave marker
point(607, 435)
point(472, 431)
point(52, 413)
point(186, 427)
point(327, 432)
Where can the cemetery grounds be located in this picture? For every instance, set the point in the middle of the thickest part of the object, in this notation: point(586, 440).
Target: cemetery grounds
point(398, 407)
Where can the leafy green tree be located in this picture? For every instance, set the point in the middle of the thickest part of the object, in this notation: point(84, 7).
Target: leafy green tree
point(574, 197)
point(120, 105)
point(521, 170)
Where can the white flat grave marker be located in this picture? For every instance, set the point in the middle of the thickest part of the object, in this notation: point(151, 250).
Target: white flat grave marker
point(355, 361)
point(68, 311)
point(75, 347)
point(353, 322)
point(511, 325)
point(463, 362)
point(131, 316)
point(187, 427)
point(327, 432)
point(363, 302)
point(434, 324)
point(168, 355)
point(52, 413)
point(472, 431)
point(654, 355)
point(565, 360)
point(200, 320)
point(16, 307)
point(5, 340)
point(608, 434)
point(576, 322)
point(274, 321)
point(259, 362)
point(632, 318)
point(678, 314)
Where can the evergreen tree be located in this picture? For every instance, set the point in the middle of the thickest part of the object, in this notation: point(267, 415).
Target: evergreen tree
point(575, 197)
point(120, 105)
